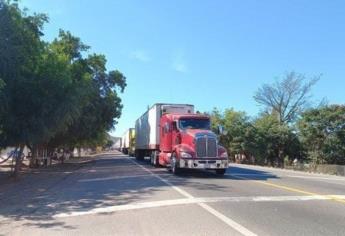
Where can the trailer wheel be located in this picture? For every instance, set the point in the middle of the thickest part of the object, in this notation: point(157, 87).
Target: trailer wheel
point(151, 158)
point(139, 155)
point(175, 169)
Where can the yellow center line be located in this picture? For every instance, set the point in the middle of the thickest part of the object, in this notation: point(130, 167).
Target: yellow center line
point(291, 189)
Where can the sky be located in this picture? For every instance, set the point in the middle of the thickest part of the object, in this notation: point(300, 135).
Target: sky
point(210, 53)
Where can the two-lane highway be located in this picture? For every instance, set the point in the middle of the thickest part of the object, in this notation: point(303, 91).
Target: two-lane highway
point(117, 195)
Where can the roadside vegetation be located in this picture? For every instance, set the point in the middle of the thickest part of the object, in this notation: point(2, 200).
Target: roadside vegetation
point(288, 130)
point(52, 94)
point(58, 95)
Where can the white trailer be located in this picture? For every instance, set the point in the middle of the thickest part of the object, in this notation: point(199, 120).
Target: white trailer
point(117, 144)
point(147, 126)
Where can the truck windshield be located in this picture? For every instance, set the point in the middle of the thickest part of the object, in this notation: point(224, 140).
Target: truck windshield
point(190, 123)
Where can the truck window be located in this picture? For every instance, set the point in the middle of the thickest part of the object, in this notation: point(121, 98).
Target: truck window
point(193, 123)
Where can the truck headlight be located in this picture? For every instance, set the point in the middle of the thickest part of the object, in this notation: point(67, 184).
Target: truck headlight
point(224, 155)
point(185, 155)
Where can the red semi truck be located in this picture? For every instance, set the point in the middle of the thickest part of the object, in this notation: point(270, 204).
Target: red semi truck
point(172, 135)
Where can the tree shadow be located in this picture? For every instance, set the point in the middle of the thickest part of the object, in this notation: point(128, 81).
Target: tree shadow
point(249, 174)
point(41, 194)
point(111, 180)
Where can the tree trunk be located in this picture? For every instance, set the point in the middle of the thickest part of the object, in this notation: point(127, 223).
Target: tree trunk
point(33, 156)
point(18, 164)
point(280, 158)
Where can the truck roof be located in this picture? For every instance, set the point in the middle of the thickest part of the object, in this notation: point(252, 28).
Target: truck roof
point(195, 115)
point(171, 104)
point(164, 104)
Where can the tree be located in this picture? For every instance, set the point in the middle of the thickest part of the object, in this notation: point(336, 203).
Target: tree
point(101, 106)
point(2, 110)
point(287, 97)
point(20, 48)
point(322, 132)
point(237, 124)
point(52, 96)
point(274, 142)
point(62, 93)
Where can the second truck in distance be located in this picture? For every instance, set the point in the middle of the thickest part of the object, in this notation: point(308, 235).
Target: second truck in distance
point(128, 140)
point(172, 135)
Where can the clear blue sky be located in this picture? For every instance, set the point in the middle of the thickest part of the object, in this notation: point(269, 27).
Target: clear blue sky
point(207, 53)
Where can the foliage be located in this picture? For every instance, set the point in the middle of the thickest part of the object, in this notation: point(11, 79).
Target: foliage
point(20, 50)
point(51, 95)
point(274, 141)
point(237, 125)
point(265, 139)
point(322, 132)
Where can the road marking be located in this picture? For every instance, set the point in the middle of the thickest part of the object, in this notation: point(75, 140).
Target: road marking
point(227, 220)
point(239, 228)
point(200, 201)
point(126, 207)
point(291, 189)
point(181, 191)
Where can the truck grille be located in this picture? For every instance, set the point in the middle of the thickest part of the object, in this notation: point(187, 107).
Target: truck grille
point(206, 147)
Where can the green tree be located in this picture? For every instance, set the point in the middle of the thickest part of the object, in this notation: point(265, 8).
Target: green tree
point(237, 124)
point(2, 110)
point(100, 107)
point(57, 94)
point(274, 142)
point(52, 96)
point(20, 48)
point(322, 132)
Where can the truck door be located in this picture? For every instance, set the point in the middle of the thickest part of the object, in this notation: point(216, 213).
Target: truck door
point(176, 136)
point(165, 135)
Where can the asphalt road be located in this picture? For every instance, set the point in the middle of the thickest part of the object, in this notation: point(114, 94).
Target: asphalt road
point(115, 195)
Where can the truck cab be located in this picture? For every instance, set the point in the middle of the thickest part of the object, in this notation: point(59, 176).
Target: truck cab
point(187, 142)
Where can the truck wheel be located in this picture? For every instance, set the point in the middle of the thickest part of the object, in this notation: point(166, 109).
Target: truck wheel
point(156, 159)
point(138, 155)
point(152, 159)
point(220, 171)
point(175, 169)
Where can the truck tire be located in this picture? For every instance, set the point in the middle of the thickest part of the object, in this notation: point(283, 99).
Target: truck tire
point(139, 155)
point(154, 159)
point(151, 158)
point(220, 171)
point(175, 169)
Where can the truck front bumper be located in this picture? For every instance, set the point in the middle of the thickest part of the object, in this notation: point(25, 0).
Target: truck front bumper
point(204, 163)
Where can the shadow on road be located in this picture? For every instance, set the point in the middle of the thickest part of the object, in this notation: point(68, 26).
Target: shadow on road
point(249, 174)
point(110, 180)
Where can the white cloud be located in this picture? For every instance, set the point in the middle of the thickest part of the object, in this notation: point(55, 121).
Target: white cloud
point(140, 55)
point(179, 62)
